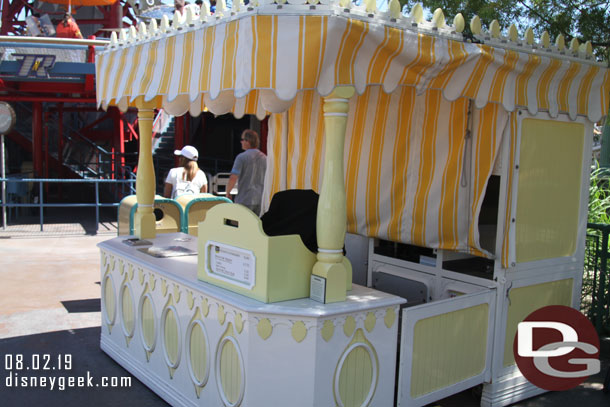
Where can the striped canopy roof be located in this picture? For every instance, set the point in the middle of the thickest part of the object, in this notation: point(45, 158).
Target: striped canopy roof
point(256, 61)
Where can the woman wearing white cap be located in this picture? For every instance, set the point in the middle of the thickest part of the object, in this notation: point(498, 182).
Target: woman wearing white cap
point(188, 178)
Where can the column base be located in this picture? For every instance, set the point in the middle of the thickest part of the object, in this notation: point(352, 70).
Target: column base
point(348, 273)
point(335, 275)
point(145, 225)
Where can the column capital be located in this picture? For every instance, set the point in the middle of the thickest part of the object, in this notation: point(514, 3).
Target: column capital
point(342, 92)
point(336, 104)
point(143, 106)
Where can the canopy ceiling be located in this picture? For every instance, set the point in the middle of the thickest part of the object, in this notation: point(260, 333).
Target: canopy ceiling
point(256, 61)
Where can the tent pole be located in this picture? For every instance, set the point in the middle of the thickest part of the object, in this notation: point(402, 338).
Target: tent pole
point(145, 179)
point(3, 166)
point(331, 221)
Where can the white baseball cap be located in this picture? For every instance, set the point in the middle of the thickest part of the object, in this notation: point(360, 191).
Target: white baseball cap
point(189, 152)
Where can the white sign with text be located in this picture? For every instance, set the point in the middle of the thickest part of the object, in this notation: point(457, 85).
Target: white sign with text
point(231, 264)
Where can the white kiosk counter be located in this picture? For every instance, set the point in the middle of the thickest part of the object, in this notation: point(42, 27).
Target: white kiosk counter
point(196, 344)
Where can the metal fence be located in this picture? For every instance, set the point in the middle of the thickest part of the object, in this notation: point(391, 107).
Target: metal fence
point(596, 281)
point(127, 185)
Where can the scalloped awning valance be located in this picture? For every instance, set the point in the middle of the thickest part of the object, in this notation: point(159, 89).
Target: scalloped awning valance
point(256, 63)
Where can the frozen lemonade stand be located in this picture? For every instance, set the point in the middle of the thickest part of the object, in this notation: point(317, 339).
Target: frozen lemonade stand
point(464, 163)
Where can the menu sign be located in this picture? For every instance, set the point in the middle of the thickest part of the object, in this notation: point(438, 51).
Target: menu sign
point(231, 264)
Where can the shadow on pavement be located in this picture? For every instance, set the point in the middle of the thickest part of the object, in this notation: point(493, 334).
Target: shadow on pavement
point(42, 361)
point(91, 305)
point(87, 361)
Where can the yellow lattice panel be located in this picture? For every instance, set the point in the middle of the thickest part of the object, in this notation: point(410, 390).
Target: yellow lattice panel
point(109, 300)
point(127, 311)
point(148, 323)
point(548, 197)
point(230, 372)
point(448, 348)
point(198, 354)
point(525, 300)
point(171, 336)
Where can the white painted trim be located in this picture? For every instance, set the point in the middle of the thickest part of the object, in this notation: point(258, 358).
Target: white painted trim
point(144, 374)
point(508, 391)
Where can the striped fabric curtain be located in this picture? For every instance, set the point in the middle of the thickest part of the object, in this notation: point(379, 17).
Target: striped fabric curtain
point(413, 174)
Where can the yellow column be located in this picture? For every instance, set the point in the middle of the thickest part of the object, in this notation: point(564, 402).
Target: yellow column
point(331, 220)
point(145, 181)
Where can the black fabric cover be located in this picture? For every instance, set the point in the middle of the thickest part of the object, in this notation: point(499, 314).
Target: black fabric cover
point(293, 212)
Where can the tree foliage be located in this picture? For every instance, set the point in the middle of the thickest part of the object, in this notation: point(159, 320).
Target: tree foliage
point(586, 20)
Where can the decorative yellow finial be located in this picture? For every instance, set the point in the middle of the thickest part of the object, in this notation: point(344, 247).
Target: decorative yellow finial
point(177, 20)
point(513, 34)
point(164, 23)
point(152, 27)
point(370, 6)
point(588, 48)
point(459, 23)
point(438, 18)
point(142, 32)
point(475, 25)
point(394, 7)
point(574, 44)
point(529, 36)
point(417, 13)
point(221, 7)
point(494, 29)
point(133, 34)
point(189, 16)
point(560, 42)
point(204, 12)
point(345, 3)
point(113, 38)
point(545, 40)
point(123, 36)
point(237, 6)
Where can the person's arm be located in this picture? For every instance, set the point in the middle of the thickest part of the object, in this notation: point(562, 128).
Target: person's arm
point(167, 190)
point(204, 189)
point(231, 184)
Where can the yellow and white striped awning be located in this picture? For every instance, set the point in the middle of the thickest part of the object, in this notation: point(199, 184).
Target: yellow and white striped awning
point(254, 63)
point(412, 174)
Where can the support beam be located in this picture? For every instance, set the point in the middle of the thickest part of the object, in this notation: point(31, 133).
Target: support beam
point(145, 225)
point(331, 223)
point(118, 144)
point(37, 138)
point(60, 145)
point(178, 136)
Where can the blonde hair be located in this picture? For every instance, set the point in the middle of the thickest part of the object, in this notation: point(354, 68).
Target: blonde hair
point(190, 168)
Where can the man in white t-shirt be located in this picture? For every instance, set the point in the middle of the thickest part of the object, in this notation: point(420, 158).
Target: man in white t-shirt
point(186, 179)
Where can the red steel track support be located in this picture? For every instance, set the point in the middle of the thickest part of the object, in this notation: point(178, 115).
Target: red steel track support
point(178, 135)
point(37, 138)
